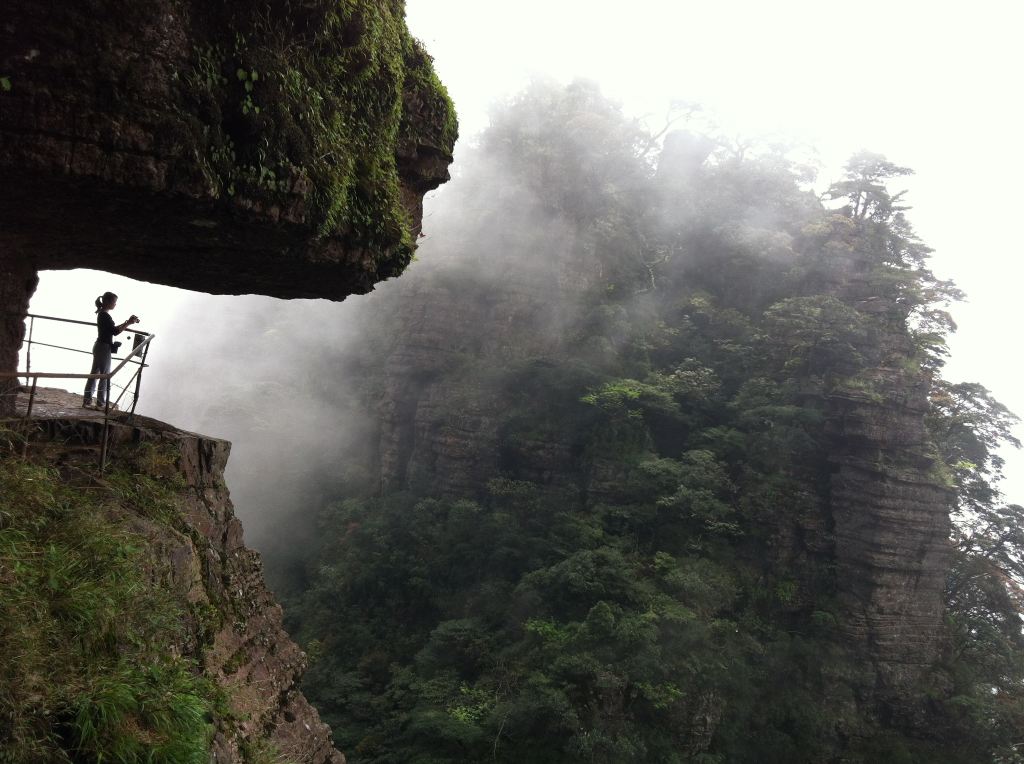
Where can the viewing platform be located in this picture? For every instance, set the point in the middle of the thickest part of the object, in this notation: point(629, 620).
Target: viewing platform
point(35, 405)
point(52, 403)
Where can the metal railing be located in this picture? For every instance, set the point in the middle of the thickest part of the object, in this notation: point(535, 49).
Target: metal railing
point(136, 357)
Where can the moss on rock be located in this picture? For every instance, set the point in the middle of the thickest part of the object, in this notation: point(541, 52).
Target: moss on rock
point(320, 117)
point(288, 141)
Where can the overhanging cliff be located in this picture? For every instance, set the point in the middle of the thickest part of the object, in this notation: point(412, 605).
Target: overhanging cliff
point(281, 149)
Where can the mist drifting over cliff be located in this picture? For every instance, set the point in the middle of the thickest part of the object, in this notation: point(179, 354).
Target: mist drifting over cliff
point(759, 71)
point(284, 380)
point(654, 409)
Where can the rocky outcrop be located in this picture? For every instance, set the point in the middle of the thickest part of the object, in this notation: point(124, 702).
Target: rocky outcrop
point(439, 429)
point(235, 627)
point(219, 147)
point(223, 147)
point(883, 526)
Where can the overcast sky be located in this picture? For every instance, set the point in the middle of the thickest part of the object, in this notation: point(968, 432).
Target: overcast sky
point(933, 85)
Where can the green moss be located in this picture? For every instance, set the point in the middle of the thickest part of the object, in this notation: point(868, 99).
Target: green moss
point(941, 474)
point(314, 104)
point(156, 460)
point(262, 753)
point(89, 668)
point(436, 108)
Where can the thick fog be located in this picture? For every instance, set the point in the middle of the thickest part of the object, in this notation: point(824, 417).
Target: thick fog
point(930, 88)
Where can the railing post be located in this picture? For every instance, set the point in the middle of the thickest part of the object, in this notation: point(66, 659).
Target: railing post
point(105, 432)
point(104, 435)
point(28, 347)
point(31, 398)
point(28, 416)
point(138, 380)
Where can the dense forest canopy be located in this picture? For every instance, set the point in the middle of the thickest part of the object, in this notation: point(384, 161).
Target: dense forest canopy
point(585, 509)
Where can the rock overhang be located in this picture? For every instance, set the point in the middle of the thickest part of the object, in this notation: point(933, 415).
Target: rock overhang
point(282, 148)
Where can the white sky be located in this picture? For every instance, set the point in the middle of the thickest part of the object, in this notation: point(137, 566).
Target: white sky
point(933, 85)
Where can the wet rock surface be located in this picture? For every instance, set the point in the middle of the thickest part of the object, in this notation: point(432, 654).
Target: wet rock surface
point(441, 429)
point(187, 143)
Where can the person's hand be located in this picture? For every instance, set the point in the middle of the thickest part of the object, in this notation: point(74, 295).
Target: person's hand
point(134, 319)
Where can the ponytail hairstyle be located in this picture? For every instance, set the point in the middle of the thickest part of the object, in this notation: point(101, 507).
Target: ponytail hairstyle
point(105, 300)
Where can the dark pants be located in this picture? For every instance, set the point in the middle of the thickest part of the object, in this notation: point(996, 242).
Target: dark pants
point(100, 365)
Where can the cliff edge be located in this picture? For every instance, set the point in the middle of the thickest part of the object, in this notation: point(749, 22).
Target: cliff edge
point(189, 612)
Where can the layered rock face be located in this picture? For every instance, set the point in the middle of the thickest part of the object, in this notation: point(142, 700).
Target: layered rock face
point(219, 147)
point(238, 640)
point(890, 513)
point(223, 147)
point(439, 429)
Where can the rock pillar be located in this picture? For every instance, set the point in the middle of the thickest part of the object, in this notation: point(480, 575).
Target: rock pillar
point(18, 279)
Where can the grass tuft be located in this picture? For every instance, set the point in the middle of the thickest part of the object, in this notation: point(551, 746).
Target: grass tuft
point(89, 669)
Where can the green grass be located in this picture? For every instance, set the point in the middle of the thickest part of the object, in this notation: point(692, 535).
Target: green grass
point(89, 669)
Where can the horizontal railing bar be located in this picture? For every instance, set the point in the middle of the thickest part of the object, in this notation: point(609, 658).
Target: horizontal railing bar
point(50, 318)
point(15, 393)
point(62, 320)
point(56, 375)
point(61, 347)
point(69, 321)
point(50, 375)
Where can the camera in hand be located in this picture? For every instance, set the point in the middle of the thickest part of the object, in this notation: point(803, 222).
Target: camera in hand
point(115, 346)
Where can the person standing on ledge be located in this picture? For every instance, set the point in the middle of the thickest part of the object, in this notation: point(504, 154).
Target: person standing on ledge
point(104, 347)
